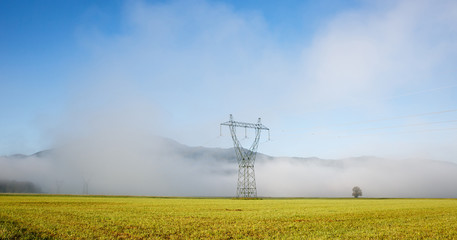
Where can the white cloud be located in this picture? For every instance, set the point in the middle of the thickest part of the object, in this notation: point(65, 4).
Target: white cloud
point(373, 52)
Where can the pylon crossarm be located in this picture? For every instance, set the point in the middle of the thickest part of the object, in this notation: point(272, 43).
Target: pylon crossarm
point(245, 125)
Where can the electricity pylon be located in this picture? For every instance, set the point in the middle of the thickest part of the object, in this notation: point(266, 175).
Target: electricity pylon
point(246, 187)
point(85, 187)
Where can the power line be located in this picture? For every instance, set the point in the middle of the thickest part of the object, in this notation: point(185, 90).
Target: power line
point(392, 97)
point(383, 119)
point(408, 125)
point(399, 117)
point(391, 127)
point(422, 91)
point(404, 132)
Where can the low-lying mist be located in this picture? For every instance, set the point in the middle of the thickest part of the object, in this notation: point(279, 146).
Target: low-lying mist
point(162, 167)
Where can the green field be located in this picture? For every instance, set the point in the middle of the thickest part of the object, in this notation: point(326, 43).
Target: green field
point(82, 217)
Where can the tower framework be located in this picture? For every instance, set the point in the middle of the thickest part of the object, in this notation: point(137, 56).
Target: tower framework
point(246, 187)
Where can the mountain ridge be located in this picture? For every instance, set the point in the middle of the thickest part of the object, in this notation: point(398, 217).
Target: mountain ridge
point(228, 154)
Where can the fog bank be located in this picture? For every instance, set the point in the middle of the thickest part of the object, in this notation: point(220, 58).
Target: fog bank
point(173, 169)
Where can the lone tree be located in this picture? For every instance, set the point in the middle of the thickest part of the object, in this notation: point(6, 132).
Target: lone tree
point(356, 192)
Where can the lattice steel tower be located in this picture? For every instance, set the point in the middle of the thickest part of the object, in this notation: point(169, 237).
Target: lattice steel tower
point(246, 187)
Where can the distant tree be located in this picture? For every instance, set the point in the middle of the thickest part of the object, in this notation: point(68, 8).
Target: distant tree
point(356, 192)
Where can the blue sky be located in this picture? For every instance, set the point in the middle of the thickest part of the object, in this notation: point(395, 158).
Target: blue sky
point(332, 79)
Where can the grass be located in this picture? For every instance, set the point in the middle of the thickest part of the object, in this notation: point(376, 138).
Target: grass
point(88, 217)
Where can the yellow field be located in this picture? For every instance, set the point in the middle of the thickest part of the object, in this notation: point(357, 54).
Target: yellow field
point(82, 217)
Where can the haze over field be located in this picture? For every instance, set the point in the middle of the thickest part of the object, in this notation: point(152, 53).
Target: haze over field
point(97, 82)
point(173, 169)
